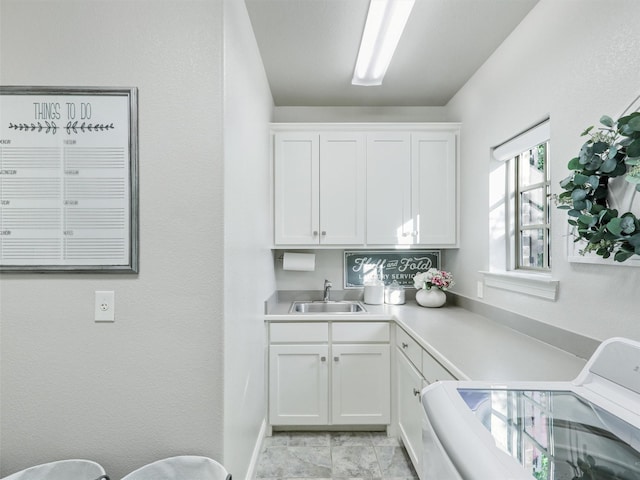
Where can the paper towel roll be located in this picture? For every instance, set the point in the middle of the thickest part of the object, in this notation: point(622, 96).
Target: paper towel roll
point(299, 261)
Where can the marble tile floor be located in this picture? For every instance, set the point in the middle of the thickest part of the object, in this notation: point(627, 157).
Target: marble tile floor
point(333, 455)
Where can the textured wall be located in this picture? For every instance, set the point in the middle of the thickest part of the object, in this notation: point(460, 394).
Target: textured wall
point(149, 385)
point(573, 61)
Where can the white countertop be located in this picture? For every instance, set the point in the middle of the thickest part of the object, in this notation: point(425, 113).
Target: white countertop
point(471, 346)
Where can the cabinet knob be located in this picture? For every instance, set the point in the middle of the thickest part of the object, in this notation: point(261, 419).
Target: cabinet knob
point(336, 359)
point(324, 232)
point(405, 345)
point(416, 392)
point(315, 233)
point(323, 359)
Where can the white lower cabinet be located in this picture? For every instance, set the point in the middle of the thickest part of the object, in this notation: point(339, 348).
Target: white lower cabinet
point(410, 384)
point(328, 382)
point(415, 369)
point(298, 384)
point(360, 385)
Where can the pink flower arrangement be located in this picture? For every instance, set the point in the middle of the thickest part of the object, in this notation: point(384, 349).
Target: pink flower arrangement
point(433, 278)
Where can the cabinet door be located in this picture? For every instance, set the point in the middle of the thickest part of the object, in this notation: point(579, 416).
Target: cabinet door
point(389, 220)
point(434, 184)
point(342, 188)
point(296, 188)
point(361, 392)
point(410, 384)
point(298, 384)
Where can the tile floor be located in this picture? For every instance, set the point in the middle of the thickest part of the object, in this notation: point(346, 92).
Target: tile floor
point(326, 455)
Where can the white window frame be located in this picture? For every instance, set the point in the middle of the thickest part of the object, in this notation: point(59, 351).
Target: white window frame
point(504, 272)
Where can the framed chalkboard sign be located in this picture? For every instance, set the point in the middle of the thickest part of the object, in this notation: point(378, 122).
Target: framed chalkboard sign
point(401, 266)
point(68, 179)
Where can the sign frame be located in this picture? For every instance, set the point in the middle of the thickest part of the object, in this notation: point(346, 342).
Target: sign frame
point(403, 263)
point(65, 127)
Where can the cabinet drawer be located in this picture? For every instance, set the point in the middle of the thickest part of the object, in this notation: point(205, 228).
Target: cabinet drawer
point(432, 370)
point(299, 332)
point(409, 347)
point(360, 332)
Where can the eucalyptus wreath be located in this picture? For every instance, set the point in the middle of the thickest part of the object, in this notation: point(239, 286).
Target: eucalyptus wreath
point(610, 151)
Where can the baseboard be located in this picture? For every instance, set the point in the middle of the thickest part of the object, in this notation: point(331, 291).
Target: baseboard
point(255, 456)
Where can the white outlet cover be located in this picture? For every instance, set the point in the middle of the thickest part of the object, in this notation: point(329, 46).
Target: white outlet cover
point(105, 306)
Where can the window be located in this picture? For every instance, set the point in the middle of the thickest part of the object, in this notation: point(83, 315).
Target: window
point(519, 215)
point(532, 207)
point(527, 199)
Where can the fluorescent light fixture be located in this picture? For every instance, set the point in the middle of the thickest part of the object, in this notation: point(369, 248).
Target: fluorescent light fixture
point(385, 23)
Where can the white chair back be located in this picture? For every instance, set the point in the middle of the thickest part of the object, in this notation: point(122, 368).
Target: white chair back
point(184, 467)
point(61, 470)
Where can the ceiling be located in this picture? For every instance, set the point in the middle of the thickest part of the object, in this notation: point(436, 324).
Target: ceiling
point(309, 49)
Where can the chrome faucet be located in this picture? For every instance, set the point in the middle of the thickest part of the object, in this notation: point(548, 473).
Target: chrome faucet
point(327, 293)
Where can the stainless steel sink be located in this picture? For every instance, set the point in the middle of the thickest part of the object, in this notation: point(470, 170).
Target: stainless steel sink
point(327, 307)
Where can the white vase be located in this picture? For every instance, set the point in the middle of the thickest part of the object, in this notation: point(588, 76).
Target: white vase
point(433, 297)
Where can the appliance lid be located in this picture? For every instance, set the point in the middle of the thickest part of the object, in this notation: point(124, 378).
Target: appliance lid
point(557, 434)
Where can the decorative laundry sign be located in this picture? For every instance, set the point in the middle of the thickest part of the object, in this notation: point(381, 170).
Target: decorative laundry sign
point(401, 266)
point(68, 179)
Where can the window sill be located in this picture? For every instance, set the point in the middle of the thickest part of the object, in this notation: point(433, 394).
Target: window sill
point(534, 284)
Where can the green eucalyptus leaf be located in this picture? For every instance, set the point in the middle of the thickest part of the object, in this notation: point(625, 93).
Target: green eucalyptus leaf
point(573, 222)
point(633, 150)
point(586, 131)
point(634, 122)
point(632, 179)
point(606, 120)
point(594, 165)
point(588, 220)
point(574, 213)
point(634, 240)
point(579, 205)
point(580, 179)
point(594, 181)
point(614, 226)
point(632, 161)
point(574, 164)
point(600, 147)
point(578, 194)
point(613, 151)
point(621, 256)
point(566, 182)
point(609, 165)
point(620, 169)
point(627, 224)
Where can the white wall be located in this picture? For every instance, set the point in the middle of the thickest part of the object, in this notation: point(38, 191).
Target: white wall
point(248, 266)
point(150, 384)
point(572, 60)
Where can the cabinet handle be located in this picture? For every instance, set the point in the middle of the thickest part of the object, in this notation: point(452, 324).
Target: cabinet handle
point(405, 345)
point(315, 233)
point(324, 232)
point(323, 359)
point(416, 392)
point(336, 359)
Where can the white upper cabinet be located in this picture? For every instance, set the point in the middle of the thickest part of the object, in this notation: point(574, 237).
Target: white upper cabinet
point(389, 216)
point(434, 188)
point(297, 172)
point(319, 196)
point(366, 185)
point(342, 188)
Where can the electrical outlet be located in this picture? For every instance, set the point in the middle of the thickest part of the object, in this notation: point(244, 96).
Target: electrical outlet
point(105, 306)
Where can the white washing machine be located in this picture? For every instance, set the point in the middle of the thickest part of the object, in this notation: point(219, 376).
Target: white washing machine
point(587, 429)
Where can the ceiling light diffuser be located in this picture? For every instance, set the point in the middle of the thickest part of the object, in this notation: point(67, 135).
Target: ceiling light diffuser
point(384, 26)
